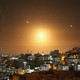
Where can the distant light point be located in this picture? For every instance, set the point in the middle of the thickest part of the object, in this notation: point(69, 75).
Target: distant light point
point(27, 22)
point(71, 26)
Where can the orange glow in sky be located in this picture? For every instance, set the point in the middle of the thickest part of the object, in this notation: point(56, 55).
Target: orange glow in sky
point(39, 25)
point(41, 36)
point(40, 39)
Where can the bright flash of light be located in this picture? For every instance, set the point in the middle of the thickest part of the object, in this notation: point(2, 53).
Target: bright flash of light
point(41, 35)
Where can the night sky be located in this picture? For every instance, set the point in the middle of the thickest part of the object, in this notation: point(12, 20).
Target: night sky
point(60, 17)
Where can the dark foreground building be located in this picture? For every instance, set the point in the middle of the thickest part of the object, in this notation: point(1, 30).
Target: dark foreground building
point(49, 75)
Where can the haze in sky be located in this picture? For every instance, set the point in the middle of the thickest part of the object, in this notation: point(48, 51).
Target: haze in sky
point(39, 25)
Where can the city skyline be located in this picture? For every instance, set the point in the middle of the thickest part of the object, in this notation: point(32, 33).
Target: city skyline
point(39, 25)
